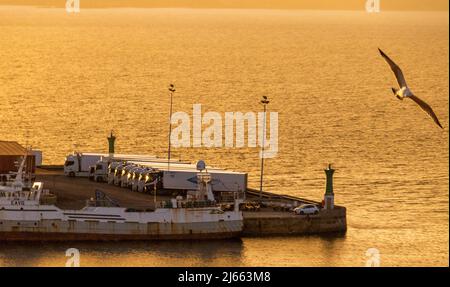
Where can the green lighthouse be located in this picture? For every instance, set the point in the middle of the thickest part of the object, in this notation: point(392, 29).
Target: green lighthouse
point(329, 194)
point(111, 141)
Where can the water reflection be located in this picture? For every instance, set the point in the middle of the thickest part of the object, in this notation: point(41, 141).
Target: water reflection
point(308, 250)
point(382, 186)
point(150, 253)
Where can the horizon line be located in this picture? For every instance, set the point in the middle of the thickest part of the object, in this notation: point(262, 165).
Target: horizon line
point(220, 8)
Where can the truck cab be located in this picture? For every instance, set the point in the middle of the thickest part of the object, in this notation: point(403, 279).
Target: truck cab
point(118, 174)
point(126, 175)
point(132, 177)
point(112, 171)
point(71, 166)
point(135, 178)
point(149, 179)
point(91, 172)
point(141, 181)
point(79, 164)
point(101, 171)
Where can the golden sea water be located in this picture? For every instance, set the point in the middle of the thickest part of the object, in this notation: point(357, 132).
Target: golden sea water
point(66, 80)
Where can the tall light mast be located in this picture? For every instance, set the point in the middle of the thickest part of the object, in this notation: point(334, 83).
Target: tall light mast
point(265, 101)
point(171, 92)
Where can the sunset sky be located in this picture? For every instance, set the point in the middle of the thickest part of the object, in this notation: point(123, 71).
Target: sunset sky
point(271, 4)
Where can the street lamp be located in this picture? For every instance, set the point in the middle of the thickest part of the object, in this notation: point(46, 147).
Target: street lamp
point(171, 91)
point(265, 101)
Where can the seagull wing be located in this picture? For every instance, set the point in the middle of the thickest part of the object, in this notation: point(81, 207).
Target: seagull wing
point(427, 109)
point(396, 69)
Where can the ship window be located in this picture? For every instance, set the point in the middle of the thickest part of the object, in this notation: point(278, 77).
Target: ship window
point(133, 210)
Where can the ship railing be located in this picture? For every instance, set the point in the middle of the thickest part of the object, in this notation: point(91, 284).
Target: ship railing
point(187, 204)
point(47, 198)
point(22, 195)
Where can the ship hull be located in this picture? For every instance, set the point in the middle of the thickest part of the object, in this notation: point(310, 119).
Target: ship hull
point(60, 237)
point(50, 230)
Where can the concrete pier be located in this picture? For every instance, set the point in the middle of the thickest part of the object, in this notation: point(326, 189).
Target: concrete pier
point(267, 222)
point(72, 193)
point(286, 223)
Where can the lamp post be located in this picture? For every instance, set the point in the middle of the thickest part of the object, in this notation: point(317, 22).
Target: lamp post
point(171, 91)
point(264, 102)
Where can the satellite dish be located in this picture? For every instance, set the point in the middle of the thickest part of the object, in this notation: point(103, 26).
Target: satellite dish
point(201, 165)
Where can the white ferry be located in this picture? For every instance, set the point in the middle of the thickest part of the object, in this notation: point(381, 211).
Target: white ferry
point(26, 215)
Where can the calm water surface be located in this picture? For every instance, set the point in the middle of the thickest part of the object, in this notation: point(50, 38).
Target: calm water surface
point(66, 80)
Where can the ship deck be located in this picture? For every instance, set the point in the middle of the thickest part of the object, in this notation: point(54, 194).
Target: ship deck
point(72, 193)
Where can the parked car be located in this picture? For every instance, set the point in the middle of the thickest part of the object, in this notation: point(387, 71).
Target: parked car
point(250, 206)
point(306, 209)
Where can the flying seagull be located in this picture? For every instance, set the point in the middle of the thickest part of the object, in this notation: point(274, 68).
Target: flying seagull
point(405, 92)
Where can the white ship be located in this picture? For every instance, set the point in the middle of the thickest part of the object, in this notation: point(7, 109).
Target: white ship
point(26, 215)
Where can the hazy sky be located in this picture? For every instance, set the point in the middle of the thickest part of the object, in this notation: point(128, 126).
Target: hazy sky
point(277, 4)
